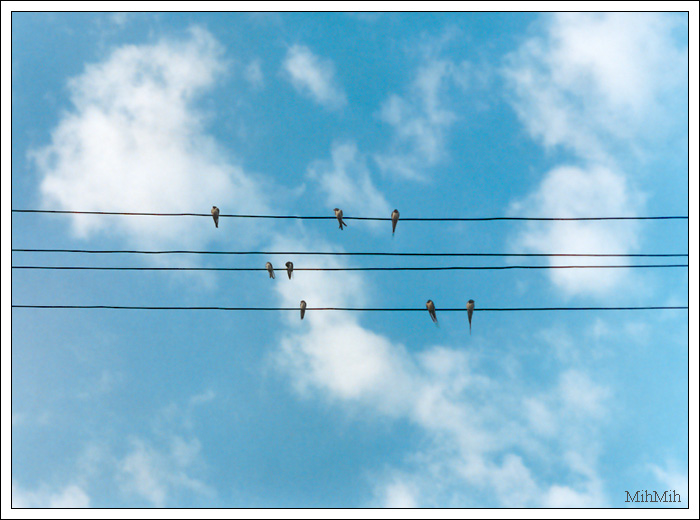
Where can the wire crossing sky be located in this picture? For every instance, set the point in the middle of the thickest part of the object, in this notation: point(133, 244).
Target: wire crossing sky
point(405, 309)
point(344, 253)
point(539, 165)
point(441, 268)
point(414, 219)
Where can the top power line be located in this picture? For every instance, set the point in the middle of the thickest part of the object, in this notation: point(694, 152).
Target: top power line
point(307, 217)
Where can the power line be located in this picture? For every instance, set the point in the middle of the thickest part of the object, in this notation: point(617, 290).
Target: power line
point(300, 217)
point(333, 253)
point(370, 309)
point(449, 268)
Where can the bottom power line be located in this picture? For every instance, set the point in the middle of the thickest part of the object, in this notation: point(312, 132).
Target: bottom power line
point(494, 309)
point(449, 268)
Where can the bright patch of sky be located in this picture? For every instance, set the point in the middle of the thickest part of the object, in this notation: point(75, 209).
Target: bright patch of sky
point(460, 114)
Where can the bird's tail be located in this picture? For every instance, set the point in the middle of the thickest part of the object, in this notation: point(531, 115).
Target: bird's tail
point(272, 274)
point(289, 273)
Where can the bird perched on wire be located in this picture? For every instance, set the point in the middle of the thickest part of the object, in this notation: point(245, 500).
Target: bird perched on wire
point(339, 216)
point(470, 311)
point(302, 306)
point(431, 309)
point(290, 268)
point(215, 215)
point(270, 269)
point(394, 220)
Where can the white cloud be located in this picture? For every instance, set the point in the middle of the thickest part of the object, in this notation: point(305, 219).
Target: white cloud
point(400, 494)
point(332, 351)
point(569, 191)
point(156, 473)
point(134, 141)
point(596, 81)
point(168, 464)
point(71, 496)
point(420, 120)
point(581, 395)
point(346, 182)
point(566, 497)
point(589, 492)
point(165, 466)
point(314, 76)
point(672, 478)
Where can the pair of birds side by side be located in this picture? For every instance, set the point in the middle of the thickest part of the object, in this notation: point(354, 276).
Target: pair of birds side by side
point(470, 311)
point(341, 222)
point(271, 270)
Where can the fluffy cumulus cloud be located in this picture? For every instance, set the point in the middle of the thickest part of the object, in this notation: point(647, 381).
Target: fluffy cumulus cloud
point(314, 77)
point(346, 182)
point(420, 120)
point(485, 434)
point(569, 191)
point(596, 81)
point(134, 140)
point(598, 85)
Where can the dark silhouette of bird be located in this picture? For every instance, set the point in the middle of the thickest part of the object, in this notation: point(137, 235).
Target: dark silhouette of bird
point(431, 309)
point(470, 311)
point(215, 215)
point(290, 268)
point(302, 306)
point(339, 216)
point(394, 220)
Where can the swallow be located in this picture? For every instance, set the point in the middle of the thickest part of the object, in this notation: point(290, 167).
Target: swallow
point(270, 269)
point(394, 220)
point(215, 214)
point(431, 309)
point(302, 306)
point(470, 311)
point(290, 268)
point(339, 216)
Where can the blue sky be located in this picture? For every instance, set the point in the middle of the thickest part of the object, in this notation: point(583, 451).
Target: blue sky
point(434, 114)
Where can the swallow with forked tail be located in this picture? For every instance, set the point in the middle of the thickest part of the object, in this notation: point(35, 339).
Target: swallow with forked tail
point(431, 309)
point(339, 216)
point(470, 311)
